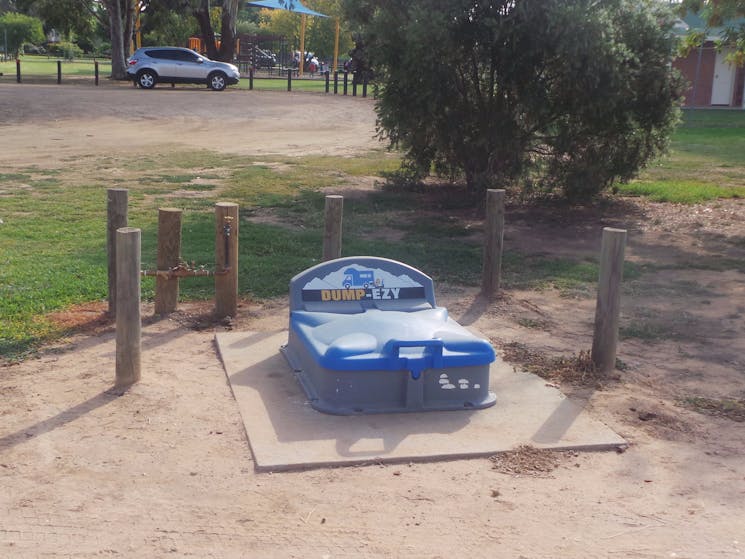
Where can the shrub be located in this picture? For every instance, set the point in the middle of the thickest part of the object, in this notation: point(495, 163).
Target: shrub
point(576, 94)
point(66, 50)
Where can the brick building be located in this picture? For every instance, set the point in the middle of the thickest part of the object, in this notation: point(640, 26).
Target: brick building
point(713, 81)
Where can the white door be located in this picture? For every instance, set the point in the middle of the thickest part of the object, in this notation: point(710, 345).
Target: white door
point(724, 80)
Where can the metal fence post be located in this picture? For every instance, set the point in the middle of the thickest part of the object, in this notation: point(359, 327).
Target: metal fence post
point(226, 259)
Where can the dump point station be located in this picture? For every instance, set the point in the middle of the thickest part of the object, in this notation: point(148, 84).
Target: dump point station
point(367, 337)
point(372, 369)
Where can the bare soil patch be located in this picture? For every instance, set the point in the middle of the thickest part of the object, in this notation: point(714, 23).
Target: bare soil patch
point(164, 469)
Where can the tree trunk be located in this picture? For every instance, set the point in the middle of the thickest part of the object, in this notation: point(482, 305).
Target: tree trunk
point(118, 60)
point(227, 30)
point(202, 14)
point(129, 23)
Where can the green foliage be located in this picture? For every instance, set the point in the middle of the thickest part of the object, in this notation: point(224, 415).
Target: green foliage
point(577, 91)
point(66, 50)
point(167, 27)
point(19, 29)
point(247, 27)
point(66, 16)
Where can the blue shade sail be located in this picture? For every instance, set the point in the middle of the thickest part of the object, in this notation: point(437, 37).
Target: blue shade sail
point(290, 5)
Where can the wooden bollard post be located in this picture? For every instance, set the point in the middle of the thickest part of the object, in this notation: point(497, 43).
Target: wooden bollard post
point(116, 207)
point(289, 79)
point(95, 71)
point(332, 231)
point(327, 81)
point(59, 72)
point(493, 240)
point(608, 307)
point(251, 78)
point(336, 83)
point(18, 70)
point(226, 259)
point(169, 253)
point(128, 326)
point(346, 82)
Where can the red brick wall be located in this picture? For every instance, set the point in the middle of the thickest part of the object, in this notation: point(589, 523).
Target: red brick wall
point(687, 67)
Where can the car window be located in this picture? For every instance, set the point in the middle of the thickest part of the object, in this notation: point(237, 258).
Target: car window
point(185, 56)
point(160, 53)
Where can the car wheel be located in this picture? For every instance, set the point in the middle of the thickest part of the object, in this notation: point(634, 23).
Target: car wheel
point(217, 81)
point(147, 79)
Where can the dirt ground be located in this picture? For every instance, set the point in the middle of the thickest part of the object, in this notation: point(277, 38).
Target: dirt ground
point(165, 470)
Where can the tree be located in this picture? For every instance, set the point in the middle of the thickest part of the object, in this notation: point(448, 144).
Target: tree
point(167, 27)
point(19, 29)
point(203, 12)
point(121, 15)
point(66, 16)
point(579, 91)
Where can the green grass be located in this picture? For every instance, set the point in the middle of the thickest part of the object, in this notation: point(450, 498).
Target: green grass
point(53, 242)
point(682, 192)
point(280, 84)
point(41, 66)
point(52, 235)
point(706, 161)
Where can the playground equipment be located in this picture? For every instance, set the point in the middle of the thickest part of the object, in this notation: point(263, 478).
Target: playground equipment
point(366, 336)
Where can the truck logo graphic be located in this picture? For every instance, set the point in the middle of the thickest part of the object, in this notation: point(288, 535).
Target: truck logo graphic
point(360, 278)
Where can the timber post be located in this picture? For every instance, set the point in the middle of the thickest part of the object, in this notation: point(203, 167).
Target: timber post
point(333, 214)
point(493, 241)
point(169, 253)
point(128, 325)
point(226, 259)
point(116, 219)
point(608, 307)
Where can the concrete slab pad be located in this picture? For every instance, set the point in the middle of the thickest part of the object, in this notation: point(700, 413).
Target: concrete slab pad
point(286, 433)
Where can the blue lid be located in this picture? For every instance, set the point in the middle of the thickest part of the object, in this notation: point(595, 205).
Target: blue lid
point(377, 339)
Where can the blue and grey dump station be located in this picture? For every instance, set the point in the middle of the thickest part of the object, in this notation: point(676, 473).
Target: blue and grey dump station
point(367, 337)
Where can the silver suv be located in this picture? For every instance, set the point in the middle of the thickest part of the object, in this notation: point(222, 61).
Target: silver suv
point(150, 65)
